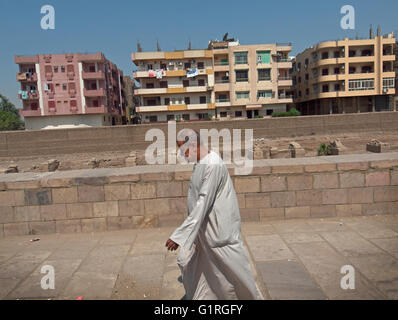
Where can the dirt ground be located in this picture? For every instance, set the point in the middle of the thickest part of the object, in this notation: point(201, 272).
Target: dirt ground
point(354, 142)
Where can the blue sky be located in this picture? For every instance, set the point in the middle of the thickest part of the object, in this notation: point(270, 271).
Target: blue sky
point(114, 27)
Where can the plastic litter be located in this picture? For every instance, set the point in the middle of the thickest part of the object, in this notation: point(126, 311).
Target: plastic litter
point(79, 298)
point(35, 239)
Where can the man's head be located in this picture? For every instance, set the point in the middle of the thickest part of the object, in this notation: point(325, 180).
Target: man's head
point(188, 141)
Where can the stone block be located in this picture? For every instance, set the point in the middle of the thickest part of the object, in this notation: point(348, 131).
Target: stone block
point(79, 210)
point(7, 214)
point(90, 181)
point(288, 169)
point(158, 176)
point(68, 226)
point(16, 229)
point(379, 208)
point(178, 206)
point(297, 212)
point(27, 213)
point(117, 192)
point(31, 184)
point(352, 179)
point(143, 190)
point(12, 198)
point(323, 211)
point(91, 193)
point(105, 209)
point(394, 177)
point(326, 181)
point(64, 195)
point(273, 183)
point(42, 227)
point(360, 195)
point(348, 210)
point(93, 225)
point(378, 178)
point(257, 200)
point(124, 178)
point(387, 193)
point(119, 223)
point(131, 208)
point(308, 198)
point(157, 207)
point(243, 185)
point(301, 182)
point(272, 213)
point(251, 214)
point(322, 167)
point(348, 166)
point(38, 197)
point(183, 175)
point(53, 212)
point(334, 196)
point(169, 189)
point(283, 199)
point(170, 220)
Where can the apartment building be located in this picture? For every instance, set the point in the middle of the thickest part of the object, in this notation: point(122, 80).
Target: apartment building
point(346, 76)
point(69, 90)
point(226, 80)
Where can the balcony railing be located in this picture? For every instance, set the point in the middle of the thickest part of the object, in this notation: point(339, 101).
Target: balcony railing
point(26, 76)
point(242, 80)
point(284, 78)
point(264, 79)
point(28, 95)
point(222, 100)
point(222, 81)
point(94, 92)
point(285, 96)
point(221, 63)
point(284, 60)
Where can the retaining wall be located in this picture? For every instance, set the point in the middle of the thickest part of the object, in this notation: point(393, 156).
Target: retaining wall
point(155, 196)
point(64, 141)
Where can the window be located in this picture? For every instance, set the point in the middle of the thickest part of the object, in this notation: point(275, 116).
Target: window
point(203, 115)
point(95, 103)
point(62, 68)
point(264, 94)
point(306, 77)
point(91, 69)
point(55, 69)
point(352, 70)
point(186, 116)
point(240, 57)
point(269, 112)
point(202, 99)
point(163, 84)
point(163, 66)
point(201, 82)
point(306, 63)
point(170, 117)
point(337, 87)
point(336, 54)
point(201, 65)
point(264, 74)
point(223, 114)
point(185, 83)
point(187, 100)
point(150, 85)
point(263, 56)
point(166, 101)
point(351, 53)
point(70, 68)
point(325, 72)
point(242, 95)
point(336, 70)
point(153, 118)
point(51, 104)
point(187, 65)
point(64, 86)
point(325, 88)
point(325, 55)
point(307, 92)
point(388, 83)
point(242, 75)
point(238, 114)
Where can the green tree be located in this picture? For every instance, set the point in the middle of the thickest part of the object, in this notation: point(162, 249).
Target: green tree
point(9, 116)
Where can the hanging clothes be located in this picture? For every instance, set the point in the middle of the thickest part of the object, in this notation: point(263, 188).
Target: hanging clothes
point(159, 74)
point(151, 74)
point(213, 261)
point(191, 72)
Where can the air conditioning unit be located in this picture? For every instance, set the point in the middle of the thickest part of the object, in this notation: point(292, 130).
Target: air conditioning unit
point(227, 74)
point(193, 61)
point(180, 63)
point(171, 63)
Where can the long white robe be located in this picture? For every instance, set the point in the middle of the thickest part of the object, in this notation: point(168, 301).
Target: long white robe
point(213, 261)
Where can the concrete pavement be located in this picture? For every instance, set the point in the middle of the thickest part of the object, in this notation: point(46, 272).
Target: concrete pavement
point(292, 259)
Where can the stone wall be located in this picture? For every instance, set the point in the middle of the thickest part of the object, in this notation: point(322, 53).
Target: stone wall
point(80, 140)
point(154, 196)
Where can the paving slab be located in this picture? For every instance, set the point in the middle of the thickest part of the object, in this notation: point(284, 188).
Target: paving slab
point(388, 244)
point(268, 247)
point(372, 229)
point(287, 280)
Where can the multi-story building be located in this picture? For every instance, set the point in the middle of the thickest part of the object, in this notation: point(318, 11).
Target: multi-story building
point(226, 80)
point(346, 76)
point(67, 90)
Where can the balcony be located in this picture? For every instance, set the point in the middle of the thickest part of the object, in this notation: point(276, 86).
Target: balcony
point(221, 85)
point(26, 76)
point(26, 59)
point(223, 102)
point(285, 81)
point(285, 98)
point(30, 113)
point(99, 109)
point(221, 66)
point(93, 75)
point(94, 93)
point(26, 95)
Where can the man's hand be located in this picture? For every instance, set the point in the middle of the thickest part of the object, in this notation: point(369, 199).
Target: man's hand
point(171, 245)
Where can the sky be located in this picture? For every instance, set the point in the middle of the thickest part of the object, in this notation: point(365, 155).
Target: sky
point(114, 27)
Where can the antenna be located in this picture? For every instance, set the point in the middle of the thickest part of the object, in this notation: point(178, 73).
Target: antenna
point(139, 49)
point(158, 46)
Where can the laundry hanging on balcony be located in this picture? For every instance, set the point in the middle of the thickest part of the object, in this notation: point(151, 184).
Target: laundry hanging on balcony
point(151, 74)
point(192, 72)
point(159, 73)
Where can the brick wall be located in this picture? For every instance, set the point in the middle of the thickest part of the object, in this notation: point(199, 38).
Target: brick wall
point(139, 197)
point(64, 141)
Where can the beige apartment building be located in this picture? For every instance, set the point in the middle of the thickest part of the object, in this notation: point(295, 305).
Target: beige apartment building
point(346, 76)
point(226, 80)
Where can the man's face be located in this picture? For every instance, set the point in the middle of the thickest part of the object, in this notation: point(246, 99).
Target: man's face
point(189, 151)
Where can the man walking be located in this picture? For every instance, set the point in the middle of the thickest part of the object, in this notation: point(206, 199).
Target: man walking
point(212, 258)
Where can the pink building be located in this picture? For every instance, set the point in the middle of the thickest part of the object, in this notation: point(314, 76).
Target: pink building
point(67, 90)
